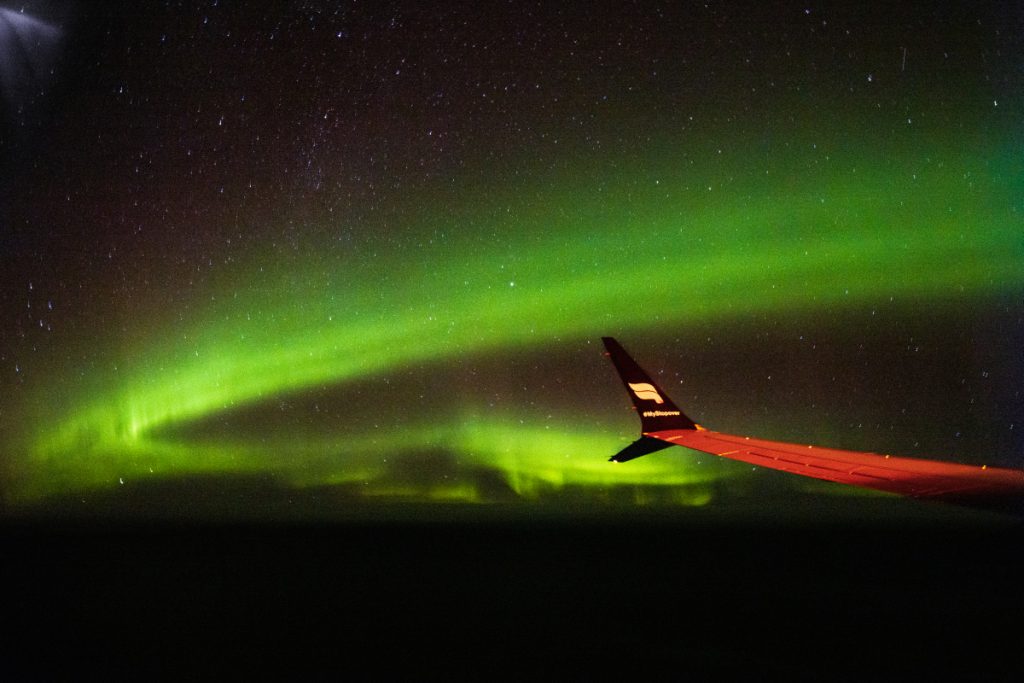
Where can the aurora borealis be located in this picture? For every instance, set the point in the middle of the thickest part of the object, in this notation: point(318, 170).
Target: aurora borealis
point(374, 249)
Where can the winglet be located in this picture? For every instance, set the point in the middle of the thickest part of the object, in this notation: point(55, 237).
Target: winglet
point(642, 446)
point(656, 409)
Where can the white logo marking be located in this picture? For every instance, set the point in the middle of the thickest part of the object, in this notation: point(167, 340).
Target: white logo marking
point(646, 392)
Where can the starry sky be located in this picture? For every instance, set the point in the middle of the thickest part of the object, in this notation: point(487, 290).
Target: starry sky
point(356, 252)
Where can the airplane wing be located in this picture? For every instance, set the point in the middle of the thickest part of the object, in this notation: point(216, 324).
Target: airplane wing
point(664, 424)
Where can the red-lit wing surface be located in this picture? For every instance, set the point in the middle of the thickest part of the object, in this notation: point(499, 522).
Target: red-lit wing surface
point(905, 476)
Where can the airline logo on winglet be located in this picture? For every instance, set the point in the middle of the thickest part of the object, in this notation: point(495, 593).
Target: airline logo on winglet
point(646, 392)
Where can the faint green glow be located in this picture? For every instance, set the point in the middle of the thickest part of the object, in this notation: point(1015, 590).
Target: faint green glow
point(576, 260)
point(535, 456)
point(535, 460)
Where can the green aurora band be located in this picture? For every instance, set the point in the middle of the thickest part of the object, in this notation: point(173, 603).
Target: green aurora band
point(623, 249)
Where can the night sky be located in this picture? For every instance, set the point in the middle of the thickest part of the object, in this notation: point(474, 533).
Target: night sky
point(363, 252)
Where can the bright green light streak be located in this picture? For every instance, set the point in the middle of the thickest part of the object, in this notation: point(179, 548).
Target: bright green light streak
point(568, 263)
